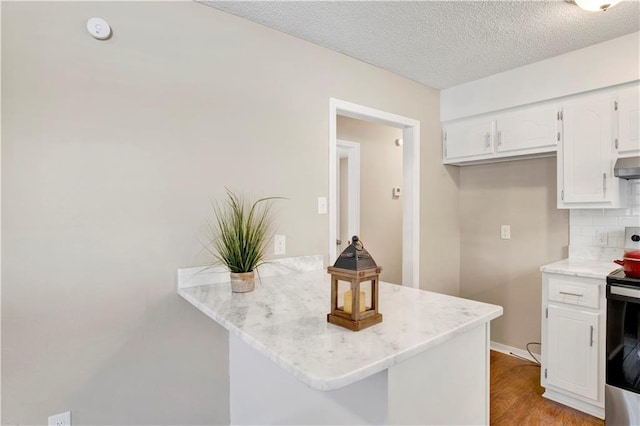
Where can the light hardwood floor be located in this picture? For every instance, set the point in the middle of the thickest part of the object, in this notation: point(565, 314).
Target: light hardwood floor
point(516, 397)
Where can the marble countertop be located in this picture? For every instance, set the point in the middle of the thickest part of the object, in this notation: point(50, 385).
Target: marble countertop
point(581, 268)
point(285, 319)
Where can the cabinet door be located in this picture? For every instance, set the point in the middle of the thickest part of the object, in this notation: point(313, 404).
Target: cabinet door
point(572, 351)
point(585, 155)
point(468, 139)
point(531, 129)
point(629, 122)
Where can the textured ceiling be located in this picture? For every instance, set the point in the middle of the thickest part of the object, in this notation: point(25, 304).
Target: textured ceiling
point(442, 43)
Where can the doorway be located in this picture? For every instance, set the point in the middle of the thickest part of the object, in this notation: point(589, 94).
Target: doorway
point(410, 181)
point(347, 192)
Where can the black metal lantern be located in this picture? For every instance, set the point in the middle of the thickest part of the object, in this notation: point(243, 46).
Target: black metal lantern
point(354, 265)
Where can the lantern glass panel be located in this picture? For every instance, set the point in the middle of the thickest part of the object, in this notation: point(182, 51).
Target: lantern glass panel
point(347, 298)
point(343, 287)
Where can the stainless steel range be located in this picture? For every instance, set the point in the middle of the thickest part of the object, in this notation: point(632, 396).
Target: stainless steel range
point(622, 393)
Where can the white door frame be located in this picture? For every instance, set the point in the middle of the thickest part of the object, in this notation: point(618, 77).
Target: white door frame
point(0, 228)
point(352, 150)
point(410, 181)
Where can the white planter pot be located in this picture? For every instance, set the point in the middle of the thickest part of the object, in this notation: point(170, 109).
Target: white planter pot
point(243, 282)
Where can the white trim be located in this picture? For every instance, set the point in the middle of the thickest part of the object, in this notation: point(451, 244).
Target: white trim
point(411, 181)
point(0, 222)
point(352, 150)
point(487, 370)
point(411, 206)
point(360, 112)
point(510, 350)
point(585, 407)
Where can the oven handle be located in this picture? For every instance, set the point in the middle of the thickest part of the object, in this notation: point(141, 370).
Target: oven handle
point(625, 292)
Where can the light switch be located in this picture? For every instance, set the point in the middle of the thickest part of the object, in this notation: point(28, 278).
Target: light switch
point(322, 205)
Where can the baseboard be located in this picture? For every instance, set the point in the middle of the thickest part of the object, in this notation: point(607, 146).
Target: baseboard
point(510, 350)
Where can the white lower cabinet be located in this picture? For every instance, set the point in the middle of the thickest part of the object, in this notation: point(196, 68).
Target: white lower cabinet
point(572, 350)
point(573, 342)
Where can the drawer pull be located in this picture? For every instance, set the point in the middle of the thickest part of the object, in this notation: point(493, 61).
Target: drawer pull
point(571, 294)
point(591, 337)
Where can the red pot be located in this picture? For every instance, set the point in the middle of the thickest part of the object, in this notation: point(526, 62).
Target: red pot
point(630, 264)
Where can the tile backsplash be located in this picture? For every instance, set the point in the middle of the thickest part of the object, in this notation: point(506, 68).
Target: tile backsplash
point(599, 233)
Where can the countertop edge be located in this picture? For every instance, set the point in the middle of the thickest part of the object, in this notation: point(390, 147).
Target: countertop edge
point(334, 383)
point(584, 268)
point(376, 367)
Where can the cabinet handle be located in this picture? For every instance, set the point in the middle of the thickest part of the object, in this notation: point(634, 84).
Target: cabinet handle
point(499, 137)
point(591, 337)
point(604, 184)
point(570, 294)
point(487, 140)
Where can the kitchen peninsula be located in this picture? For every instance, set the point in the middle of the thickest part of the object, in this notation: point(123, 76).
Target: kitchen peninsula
point(426, 363)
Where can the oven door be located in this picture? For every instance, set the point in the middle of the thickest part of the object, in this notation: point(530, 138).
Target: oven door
point(622, 395)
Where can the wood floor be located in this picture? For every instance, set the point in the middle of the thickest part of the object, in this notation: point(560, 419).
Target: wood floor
point(516, 397)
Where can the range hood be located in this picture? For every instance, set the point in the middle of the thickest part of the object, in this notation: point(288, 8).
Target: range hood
point(627, 168)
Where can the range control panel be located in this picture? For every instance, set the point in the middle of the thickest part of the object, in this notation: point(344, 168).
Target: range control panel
point(632, 238)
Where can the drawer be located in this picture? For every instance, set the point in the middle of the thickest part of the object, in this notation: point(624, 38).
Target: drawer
point(572, 292)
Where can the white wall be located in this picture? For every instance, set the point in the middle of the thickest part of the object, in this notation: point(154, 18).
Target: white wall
point(111, 152)
point(605, 64)
point(521, 194)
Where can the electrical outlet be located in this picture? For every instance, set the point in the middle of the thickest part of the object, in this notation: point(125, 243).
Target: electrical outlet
point(279, 244)
point(505, 232)
point(602, 239)
point(62, 419)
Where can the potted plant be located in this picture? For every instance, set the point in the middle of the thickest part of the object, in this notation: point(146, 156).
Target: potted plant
point(238, 237)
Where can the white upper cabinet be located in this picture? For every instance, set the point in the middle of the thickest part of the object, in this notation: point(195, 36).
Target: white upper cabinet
point(586, 154)
point(526, 131)
point(468, 140)
point(586, 149)
point(529, 131)
point(628, 109)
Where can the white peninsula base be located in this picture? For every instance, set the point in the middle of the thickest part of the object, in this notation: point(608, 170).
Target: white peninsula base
point(445, 385)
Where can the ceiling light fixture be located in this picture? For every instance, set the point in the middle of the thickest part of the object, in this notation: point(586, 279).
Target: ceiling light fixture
point(595, 5)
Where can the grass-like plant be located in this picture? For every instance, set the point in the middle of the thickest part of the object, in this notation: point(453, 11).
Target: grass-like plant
point(240, 233)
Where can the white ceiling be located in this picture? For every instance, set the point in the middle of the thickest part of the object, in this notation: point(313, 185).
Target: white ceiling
point(442, 43)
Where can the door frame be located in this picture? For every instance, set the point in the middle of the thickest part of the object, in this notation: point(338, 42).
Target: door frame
point(410, 181)
point(352, 150)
